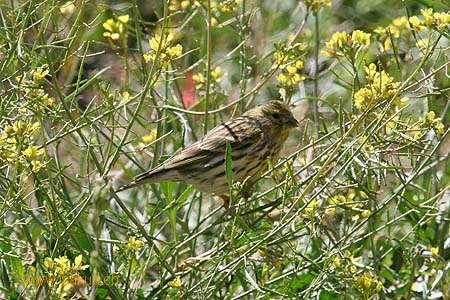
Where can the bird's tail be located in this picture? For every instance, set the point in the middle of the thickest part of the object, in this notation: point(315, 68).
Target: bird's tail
point(152, 176)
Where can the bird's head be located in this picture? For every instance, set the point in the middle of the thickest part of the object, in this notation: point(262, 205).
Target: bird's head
point(274, 113)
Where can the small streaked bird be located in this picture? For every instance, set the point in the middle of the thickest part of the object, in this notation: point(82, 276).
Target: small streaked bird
point(256, 139)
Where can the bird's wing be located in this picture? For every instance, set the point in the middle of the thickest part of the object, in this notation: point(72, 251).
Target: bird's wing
point(241, 133)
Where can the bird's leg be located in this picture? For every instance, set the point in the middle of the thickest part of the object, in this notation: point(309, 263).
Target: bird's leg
point(226, 201)
point(246, 192)
point(247, 189)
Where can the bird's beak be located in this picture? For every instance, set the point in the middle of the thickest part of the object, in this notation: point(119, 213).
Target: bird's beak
point(292, 122)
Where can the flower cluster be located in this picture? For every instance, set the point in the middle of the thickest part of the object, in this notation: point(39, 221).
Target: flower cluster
point(16, 145)
point(134, 244)
point(352, 201)
point(317, 4)
point(62, 274)
point(33, 93)
point(381, 86)
point(350, 267)
point(229, 6)
point(288, 60)
point(430, 121)
point(395, 30)
point(176, 5)
point(114, 29)
point(216, 75)
point(430, 20)
point(368, 285)
point(167, 52)
point(344, 44)
point(17, 139)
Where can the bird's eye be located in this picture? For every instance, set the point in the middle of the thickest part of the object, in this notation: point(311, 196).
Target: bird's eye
point(276, 116)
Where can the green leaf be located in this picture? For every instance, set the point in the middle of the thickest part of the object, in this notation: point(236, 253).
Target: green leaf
point(329, 295)
point(182, 198)
point(4, 275)
point(167, 188)
point(101, 293)
point(301, 282)
point(13, 294)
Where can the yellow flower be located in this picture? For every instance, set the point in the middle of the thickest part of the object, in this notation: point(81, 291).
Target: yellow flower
point(114, 29)
point(62, 265)
point(337, 41)
point(177, 5)
point(441, 20)
point(431, 116)
point(125, 97)
point(337, 261)
point(422, 43)
point(380, 30)
point(48, 101)
point(177, 283)
point(48, 262)
point(317, 4)
point(342, 43)
point(312, 207)
point(40, 74)
point(397, 25)
point(281, 59)
point(123, 19)
point(166, 53)
point(366, 213)
point(229, 6)
point(401, 102)
point(67, 8)
point(62, 274)
point(32, 152)
point(18, 127)
point(428, 15)
point(416, 23)
point(363, 98)
point(149, 137)
point(77, 264)
point(156, 40)
point(371, 70)
point(336, 200)
point(291, 69)
point(199, 78)
point(360, 37)
point(369, 285)
point(363, 195)
point(299, 64)
point(439, 128)
point(134, 244)
point(175, 51)
point(214, 21)
point(400, 22)
point(217, 74)
point(33, 128)
point(36, 166)
point(434, 250)
point(381, 86)
point(290, 79)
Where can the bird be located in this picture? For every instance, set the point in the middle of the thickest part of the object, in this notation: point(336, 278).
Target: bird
point(256, 138)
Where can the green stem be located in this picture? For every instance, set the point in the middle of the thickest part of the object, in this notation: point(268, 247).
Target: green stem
point(208, 63)
point(314, 102)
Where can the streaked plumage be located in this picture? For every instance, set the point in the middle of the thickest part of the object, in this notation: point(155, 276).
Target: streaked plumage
point(255, 138)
